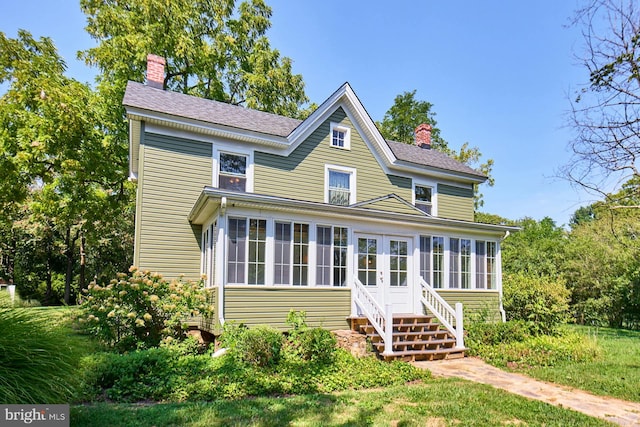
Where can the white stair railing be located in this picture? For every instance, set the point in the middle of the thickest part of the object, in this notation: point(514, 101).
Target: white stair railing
point(381, 319)
point(450, 318)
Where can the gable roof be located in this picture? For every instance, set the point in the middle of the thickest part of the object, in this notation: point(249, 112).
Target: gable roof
point(218, 118)
point(144, 97)
point(429, 157)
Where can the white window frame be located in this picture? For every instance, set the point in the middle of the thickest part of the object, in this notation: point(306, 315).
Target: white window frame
point(217, 150)
point(347, 135)
point(352, 181)
point(292, 243)
point(430, 185)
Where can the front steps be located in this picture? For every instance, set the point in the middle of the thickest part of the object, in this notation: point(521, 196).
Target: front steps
point(415, 337)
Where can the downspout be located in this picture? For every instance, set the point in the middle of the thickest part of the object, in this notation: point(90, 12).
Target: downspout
point(222, 254)
point(503, 314)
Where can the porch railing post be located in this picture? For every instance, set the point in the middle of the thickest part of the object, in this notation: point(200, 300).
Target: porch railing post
point(459, 326)
point(388, 329)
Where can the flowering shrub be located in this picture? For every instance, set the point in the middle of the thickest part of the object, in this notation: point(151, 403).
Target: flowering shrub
point(142, 309)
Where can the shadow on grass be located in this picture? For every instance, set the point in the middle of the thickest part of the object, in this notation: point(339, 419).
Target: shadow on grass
point(315, 409)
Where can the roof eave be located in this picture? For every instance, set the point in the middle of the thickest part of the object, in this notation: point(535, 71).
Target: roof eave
point(253, 200)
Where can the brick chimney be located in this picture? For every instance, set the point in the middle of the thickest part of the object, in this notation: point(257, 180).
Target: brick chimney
point(155, 71)
point(423, 135)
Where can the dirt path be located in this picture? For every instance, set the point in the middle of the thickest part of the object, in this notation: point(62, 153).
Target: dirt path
point(473, 369)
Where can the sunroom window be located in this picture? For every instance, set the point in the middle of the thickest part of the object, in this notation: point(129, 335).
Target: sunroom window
point(485, 265)
point(331, 256)
point(432, 260)
point(291, 261)
point(232, 172)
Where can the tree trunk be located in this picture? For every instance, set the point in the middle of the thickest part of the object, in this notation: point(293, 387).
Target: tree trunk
point(69, 252)
point(83, 261)
point(49, 291)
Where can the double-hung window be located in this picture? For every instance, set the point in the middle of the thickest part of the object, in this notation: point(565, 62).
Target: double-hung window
point(232, 172)
point(423, 196)
point(340, 186)
point(331, 256)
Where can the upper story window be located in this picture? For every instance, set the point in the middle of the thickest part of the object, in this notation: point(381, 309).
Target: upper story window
point(232, 172)
point(340, 185)
point(340, 136)
point(423, 200)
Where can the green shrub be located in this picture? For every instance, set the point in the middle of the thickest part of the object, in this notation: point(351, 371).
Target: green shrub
point(314, 344)
point(38, 357)
point(260, 346)
point(142, 309)
point(542, 302)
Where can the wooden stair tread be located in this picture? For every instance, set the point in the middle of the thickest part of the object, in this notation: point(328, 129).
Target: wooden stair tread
point(428, 342)
point(427, 352)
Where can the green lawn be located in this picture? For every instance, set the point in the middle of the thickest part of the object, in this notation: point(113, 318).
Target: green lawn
point(616, 373)
point(435, 403)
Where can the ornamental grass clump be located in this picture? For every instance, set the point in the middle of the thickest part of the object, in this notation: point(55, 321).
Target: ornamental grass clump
point(142, 309)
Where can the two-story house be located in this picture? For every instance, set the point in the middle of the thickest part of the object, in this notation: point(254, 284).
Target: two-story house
point(322, 215)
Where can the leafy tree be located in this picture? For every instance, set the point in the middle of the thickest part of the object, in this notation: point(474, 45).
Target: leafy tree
point(61, 171)
point(536, 250)
point(601, 264)
point(605, 111)
point(406, 113)
point(216, 50)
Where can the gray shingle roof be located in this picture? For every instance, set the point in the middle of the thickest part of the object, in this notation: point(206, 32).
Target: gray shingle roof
point(427, 157)
point(140, 96)
point(144, 97)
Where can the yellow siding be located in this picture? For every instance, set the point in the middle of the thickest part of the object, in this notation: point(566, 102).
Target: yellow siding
point(325, 307)
point(455, 202)
point(301, 175)
point(474, 301)
point(173, 175)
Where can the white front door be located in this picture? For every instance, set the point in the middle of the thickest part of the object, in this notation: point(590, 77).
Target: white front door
point(383, 267)
point(397, 267)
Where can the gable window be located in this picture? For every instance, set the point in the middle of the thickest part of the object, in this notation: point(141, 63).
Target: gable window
point(340, 185)
point(331, 254)
point(232, 173)
point(422, 196)
point(340, 136)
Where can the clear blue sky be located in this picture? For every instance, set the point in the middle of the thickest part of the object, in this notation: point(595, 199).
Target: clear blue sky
point(497, 72)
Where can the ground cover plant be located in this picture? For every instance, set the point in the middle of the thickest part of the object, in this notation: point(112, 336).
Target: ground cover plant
point(614, 373)
point(434, 403)
point(260, 362)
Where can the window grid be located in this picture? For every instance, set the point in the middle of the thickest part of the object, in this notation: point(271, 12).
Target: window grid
point(398, 261)
point(300, 254)
point(425, 258)
point(465, 263)
point(323, 255)
point(367, 261)
point(340, 246)
point(257, 251)
point(337, 139)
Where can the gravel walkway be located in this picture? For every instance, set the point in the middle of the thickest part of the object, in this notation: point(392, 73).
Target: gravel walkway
point(473, 369)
